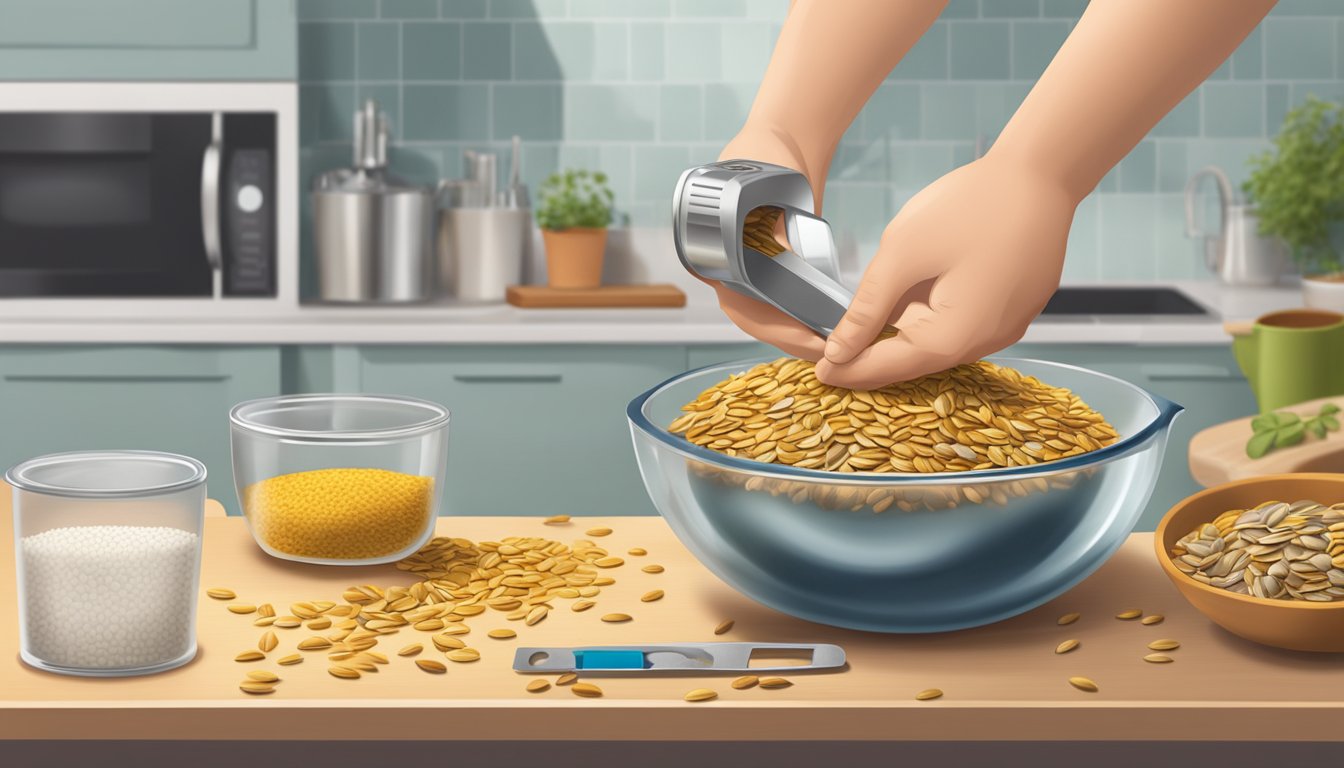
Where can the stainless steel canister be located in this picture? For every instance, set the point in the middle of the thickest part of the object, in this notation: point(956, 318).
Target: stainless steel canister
point(373, 245)
point(481, 251)
point(372, 232)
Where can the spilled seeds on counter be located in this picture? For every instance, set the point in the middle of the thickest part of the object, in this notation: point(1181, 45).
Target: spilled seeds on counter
point(518, 578)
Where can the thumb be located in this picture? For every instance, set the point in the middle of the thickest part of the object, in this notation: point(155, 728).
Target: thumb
point(887, 279)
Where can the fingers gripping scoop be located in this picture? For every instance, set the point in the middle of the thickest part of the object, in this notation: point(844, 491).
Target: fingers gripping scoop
point(724, 216)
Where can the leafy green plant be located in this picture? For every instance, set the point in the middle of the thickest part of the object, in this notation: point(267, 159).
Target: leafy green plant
point(1283, 429)
point(574, 199)
point(1298, 186)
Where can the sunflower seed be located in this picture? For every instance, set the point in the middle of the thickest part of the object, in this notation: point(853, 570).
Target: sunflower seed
point(1157, 658)
point(746, 681)
point(586, 690)
point(1129, 614)
point(1068, 618)
point(652, 595)
point(464, 655)
point(256, 688)
point(1155, 618)
point(502, 634)
point(652, 569)
point(348, 673)
point(928, 694)
point(1066, 646)
point(538, 685)
point(220, 593)
point(568, 678)
point(598, 532)
point(617, 618)
point(431, 666)
point(724, 627)
point(268, 642)
point(701, 694)
point(242, 608)
point(1083, 684)
point(250, 656)
point(774, 682)
point(1163, 645)
point(290, 660)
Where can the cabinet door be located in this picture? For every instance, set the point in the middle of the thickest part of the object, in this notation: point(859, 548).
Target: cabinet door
point(148, 40)
point(534, 430)
point(1204, 379)
point(174, 399)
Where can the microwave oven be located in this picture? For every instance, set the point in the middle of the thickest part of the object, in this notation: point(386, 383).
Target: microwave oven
point(184, 192)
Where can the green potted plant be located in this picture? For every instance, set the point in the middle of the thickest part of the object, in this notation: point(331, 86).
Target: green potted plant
point(1298, 189)
point(574, 211)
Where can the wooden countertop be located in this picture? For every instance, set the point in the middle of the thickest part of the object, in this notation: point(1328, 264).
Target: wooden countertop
point(1002, 682)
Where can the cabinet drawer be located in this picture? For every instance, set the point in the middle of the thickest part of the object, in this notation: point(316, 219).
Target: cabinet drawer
point(148, 398)
point(534, 430)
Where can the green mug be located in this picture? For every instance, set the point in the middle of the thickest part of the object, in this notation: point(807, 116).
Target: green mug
point(1291, 356)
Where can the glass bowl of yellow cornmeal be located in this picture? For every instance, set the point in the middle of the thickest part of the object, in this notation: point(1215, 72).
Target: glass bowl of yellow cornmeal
point(339, 479)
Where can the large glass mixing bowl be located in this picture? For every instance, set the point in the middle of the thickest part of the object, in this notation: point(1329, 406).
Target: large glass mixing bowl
point(904, 552)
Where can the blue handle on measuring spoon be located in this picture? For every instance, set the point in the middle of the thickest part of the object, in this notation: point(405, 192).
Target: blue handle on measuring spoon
point(609, 660)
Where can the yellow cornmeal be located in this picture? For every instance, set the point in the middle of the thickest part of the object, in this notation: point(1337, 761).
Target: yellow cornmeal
point(339, 514)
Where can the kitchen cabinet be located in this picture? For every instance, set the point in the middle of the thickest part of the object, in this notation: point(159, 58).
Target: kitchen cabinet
point(701, 355)
point(1205, 380)
point(148, 40)
point(174, 399)
point(533, 429)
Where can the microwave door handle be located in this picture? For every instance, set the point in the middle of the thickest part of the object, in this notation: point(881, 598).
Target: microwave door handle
point(210, 183)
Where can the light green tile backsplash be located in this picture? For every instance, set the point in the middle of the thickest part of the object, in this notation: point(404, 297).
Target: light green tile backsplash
point(642, 88)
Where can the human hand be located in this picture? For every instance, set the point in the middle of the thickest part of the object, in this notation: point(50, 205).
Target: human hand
point(757, 318)
point(961, 271)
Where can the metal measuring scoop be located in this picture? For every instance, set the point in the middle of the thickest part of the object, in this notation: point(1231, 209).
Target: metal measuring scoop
point(723, 220)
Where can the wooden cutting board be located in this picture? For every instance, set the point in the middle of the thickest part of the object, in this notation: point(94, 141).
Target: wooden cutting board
point(544, 296)
point(1218, 454)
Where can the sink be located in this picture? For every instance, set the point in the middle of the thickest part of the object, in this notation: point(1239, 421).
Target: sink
point(1167, 303)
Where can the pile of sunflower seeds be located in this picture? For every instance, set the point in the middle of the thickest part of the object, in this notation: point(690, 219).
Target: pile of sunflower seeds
point(1277, 550)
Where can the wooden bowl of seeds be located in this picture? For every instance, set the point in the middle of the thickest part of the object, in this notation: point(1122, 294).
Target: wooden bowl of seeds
point(1263, 558)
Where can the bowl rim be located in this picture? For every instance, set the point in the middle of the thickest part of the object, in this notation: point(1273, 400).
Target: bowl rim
point(1182, 581)
point(1166, 411)
point(239, 416)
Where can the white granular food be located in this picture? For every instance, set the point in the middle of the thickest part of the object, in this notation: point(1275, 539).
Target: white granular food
point(109, 596)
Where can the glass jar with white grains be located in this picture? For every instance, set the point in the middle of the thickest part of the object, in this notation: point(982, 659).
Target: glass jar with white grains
point(108, 547)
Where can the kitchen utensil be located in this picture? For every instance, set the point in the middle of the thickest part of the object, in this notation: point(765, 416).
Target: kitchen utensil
point(108, 545)
point(710, 208)
point(481, 251)
point(481, 168)
point(517, 195)
point(371, 229)
point(278, 436)
point(543, 296)
point(934, 560)
point(1293, 624)
point(674, 657)
point(1218, 453)
point(1237, 253)
point(1291, 356)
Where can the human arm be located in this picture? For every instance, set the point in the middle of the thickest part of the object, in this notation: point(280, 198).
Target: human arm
point(829, 59)
point(971, 260)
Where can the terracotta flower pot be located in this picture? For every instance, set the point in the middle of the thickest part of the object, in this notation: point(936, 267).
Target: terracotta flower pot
point(574, 256)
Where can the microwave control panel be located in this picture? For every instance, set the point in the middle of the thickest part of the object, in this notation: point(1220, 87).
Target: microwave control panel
point(249, 205)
